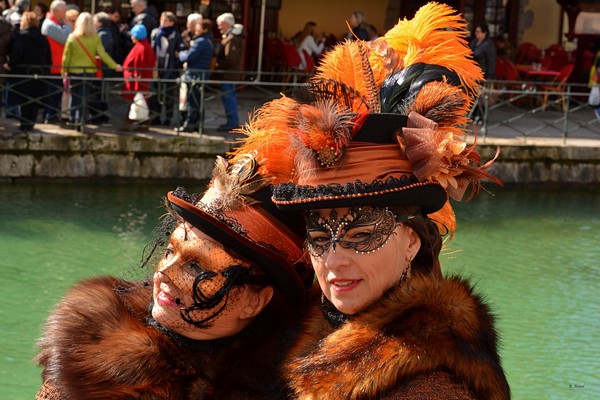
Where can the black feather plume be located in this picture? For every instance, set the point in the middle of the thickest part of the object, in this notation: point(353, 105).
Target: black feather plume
point(405, 84)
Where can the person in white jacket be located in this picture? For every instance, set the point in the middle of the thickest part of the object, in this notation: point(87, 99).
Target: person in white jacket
point(309, 45)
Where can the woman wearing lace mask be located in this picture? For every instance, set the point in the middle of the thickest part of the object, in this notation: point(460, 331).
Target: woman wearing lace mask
point(378, 147)
point(222, 284)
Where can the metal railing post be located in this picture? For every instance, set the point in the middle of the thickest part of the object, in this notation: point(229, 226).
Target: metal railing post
point(201, 109)
point(566, 112)
point(486, 105)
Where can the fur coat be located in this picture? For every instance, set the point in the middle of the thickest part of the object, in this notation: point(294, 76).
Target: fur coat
point(428, 339)
point(97, 344)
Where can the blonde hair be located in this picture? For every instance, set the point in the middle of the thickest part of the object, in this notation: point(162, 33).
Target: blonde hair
point(84, 26)
point(29, 20)
point(71, 13)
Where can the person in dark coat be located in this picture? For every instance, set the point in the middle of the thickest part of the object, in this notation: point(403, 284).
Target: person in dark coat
point(230, 58)
point(484, 50)
point(99, 106)
point(30, 55)
point(166, 42)
point(120, 36)
point(359, 27)
point(144, 14)
point(484, 53)
point(6, 33)
point(197, 63)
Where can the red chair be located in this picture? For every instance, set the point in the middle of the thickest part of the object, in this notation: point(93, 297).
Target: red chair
point(511, 73)
point(546, 63)
point(291, 61)
point(271, 55)
point(553, 48)
point(514, 83)
point(558, 86)
point(500, 74)
point(291, 57)
point(558, 57)
point(528, 53)
point(587, 59)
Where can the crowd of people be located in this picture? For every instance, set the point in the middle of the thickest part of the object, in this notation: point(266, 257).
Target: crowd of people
point(310, 266)
point(146, 46)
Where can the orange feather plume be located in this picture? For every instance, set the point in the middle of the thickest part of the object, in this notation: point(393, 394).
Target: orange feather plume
point(437, 28)
point(436, 35)
point(267, 137)
point(345, 64)
point(445, 220)
point(442, 103)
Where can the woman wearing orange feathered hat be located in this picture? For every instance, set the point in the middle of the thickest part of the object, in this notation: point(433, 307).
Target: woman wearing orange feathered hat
point(373, 152)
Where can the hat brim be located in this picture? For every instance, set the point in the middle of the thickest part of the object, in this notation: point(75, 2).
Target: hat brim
point(279, 270)
point(429, 196)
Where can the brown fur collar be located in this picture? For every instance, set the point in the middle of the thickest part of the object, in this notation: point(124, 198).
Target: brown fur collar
point(97, 345)
point(425, 326)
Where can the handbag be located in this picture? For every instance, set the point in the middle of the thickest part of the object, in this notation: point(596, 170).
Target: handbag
point(96, 60)
point(99, 72)
point(594, 99)
point(138, 111)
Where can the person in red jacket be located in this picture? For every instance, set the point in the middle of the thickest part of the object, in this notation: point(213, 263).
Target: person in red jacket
point(139, 65)
point(56, 31)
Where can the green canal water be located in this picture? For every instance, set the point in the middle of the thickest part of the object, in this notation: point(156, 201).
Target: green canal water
point(533, 253)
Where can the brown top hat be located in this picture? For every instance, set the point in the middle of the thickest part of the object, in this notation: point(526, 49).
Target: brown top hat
point(374, 170)
point(248, 224)
point(382, 122)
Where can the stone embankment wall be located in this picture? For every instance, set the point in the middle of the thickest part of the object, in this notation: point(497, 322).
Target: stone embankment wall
point(139, 157)
point(106, 157)
point(546, 163)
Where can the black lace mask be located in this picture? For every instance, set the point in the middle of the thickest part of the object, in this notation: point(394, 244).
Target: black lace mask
point(235, 276)
point(364, 229)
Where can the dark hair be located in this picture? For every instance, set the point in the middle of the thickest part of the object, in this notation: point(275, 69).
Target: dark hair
point(42, 7)
point(426, 260)
point(484, 27)
point(207, 25)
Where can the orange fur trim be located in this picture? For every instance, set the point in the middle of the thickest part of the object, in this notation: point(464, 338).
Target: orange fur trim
point(425, 326)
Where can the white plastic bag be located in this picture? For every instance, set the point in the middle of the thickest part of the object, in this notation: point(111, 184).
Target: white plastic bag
point(138, 111)
point(183, 96)
point(594, 99)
